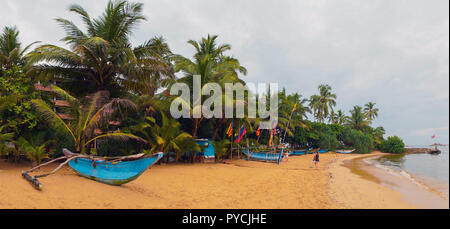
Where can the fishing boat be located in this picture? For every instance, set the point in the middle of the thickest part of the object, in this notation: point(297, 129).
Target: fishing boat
point(267, 157)
point(114, 172)
point(345, 151)
point(108, 170)
point(297, 152)
point(318, 150)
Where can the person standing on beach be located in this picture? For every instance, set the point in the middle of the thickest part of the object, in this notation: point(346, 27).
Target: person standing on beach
point(316, 159)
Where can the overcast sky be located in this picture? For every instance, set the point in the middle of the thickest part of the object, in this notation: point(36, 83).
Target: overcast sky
point(392, 52)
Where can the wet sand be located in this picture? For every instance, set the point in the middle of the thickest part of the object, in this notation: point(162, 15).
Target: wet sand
point(235, 184)
point(414, 189)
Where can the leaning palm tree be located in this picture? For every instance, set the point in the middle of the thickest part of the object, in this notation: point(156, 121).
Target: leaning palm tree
point(370, 111)
point(11, 50)
point(83, 120)
point(357, 120)
point(102, 57)
point(323, 103)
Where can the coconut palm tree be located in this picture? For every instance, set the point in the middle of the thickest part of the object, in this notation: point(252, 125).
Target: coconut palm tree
point(291, 112)
point(11, 50)
point(102, 57)
point(212, 65)
point(357, 120)
point(378, 134)
point(323, 103)
point(370, 111)
point(83, 120)
point(339, 117)
point(165, 136)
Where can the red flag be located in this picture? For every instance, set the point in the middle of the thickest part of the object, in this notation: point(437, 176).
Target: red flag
point(434, 135)
point(167, 93)
point(241, 134)
point(230, 129)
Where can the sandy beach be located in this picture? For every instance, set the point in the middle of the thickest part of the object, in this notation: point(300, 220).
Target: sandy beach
point(235, 184)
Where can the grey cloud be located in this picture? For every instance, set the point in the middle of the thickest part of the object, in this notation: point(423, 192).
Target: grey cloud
point(394, 53)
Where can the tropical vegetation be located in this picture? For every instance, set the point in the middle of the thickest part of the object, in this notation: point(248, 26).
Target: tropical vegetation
point(101, 94)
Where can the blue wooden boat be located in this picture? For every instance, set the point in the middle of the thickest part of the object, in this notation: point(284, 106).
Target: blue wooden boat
point(297, 152)
point(112, 172)
point(320, 151)
point(323, 150)
point(267, 157)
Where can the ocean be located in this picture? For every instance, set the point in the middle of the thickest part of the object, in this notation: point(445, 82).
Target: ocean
point(423, 165)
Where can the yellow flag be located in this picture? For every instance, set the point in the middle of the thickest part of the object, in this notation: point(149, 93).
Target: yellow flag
point(295, 106)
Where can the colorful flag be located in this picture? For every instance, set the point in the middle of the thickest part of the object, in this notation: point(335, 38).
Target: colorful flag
point(295, 107)
point(167, 93)
point(230, 129)
point(241, 134)
point(258, 131)
point(434, 135)
point(271, 137)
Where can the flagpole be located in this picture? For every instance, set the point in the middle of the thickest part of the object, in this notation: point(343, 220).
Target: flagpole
point(231, 150)
point(289, 121)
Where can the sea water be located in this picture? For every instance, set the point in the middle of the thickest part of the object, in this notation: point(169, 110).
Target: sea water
point(424, 165)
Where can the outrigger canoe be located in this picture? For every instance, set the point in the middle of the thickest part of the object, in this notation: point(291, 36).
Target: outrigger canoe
point(108, 170)
point(267, 157)
point(112, 172)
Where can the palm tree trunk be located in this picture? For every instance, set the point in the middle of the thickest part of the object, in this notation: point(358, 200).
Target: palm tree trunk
point(218, 126)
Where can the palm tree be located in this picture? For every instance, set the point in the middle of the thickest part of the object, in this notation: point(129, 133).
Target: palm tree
point(34, 152)
point(357, 120)
point(339, 117)
point(85, 119)
point(165, 136)
point(5, 139)
point(378, 135)
point(102, 57)
point(11, 50)
point(212, 65)
point(288, 117)
point(221, 148)
point(370, 111)
point(322, 104)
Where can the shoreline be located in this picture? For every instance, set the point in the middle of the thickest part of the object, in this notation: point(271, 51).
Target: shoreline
point(406, 187)
point(236, 184)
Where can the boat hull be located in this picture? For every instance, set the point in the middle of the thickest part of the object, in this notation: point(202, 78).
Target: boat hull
point(113, 173)
point(344, 151)
point(297, 152)
point(320, 151)
point(267, 157)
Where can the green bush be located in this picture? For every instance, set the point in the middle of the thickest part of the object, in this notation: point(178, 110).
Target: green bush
point(361, 142)
point(328, 141)
point(393, 144)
